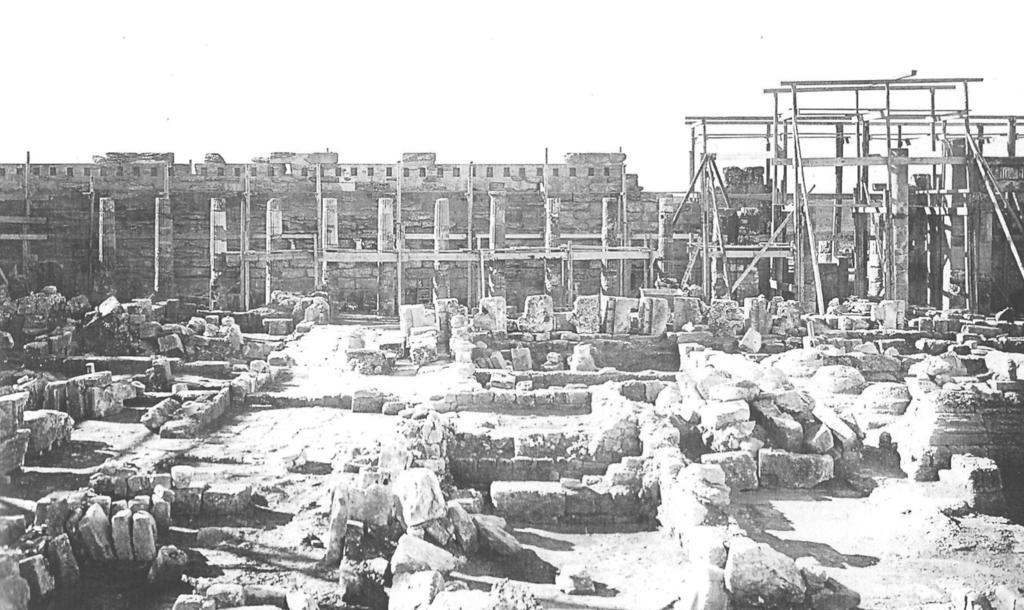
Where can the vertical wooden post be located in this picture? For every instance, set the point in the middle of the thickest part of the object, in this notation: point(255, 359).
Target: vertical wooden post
point(469, 233)
point(774, 155)
point(385, 243)
point(107, 231)
point(25, 252)
point(218, 246)
point(625, 266)
point(837, 211)
point(156, 233)
point(899, 228)
point(496, 274)
point(399, 238)
point(163, 218)
point(244, 228)
point(274, 228)
point(553, 281)
point(442, 232)
point(609, 223)
point(861, 234)
point(1011, 137)
point(320, 235)
point(570, 285)
point(664, 238)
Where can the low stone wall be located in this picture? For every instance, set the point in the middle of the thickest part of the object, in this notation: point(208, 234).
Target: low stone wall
point(552, 401)
point(556, 379)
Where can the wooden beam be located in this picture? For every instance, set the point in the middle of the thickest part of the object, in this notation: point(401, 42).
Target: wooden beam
point(875, 160)
point(22, 220)
point(23, 237)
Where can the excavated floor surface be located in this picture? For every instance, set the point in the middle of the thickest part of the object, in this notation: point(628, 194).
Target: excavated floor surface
point(893, 547)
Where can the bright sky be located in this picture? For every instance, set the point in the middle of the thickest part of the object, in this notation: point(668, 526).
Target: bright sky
point(475, 80)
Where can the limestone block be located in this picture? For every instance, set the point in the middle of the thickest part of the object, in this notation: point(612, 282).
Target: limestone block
point(419, 493)
point(62, 561)
point(37, 574)
point(778, 468)
point(416, 555)
point(414, 590)
point(586, 315)
point(739, 467)
point(538, 314)
point(94, 529)
point(494, 537)
point(758, 575)
point(227, 499)
point(121, 532)
point(49, 429)
point(143, 536)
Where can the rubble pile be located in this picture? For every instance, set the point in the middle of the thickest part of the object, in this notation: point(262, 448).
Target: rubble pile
point(123, 518)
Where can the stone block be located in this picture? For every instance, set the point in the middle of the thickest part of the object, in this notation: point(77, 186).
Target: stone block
point(419, 493)
point(739, 467)
point(586, 314)
point(538, 314)
point(416, 555)
point(143, 536)
point(778, 468)
point(227, 499)
point(121, 532)
point(62, 561)
point(367, 401)
point(36, 573)
point(529, 501)
point(49, 429)
point(759, 576)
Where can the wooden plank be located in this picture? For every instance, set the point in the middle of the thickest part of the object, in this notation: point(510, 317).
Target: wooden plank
point(370, 256)
point(875, 160)
point(23, 237)
point(22, 220)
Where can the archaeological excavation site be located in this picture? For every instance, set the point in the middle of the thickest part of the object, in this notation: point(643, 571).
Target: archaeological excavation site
point(306, 382)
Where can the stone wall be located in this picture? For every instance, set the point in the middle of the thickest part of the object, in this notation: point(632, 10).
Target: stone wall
point(67, 197)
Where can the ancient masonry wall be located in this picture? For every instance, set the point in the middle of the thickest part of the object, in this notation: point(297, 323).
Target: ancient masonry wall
point(67, 235)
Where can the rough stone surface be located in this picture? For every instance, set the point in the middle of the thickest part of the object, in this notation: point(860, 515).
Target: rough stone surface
point(777, 468)
point(414, 590)
point(419, 493)
point(758, 576)
point(739, 467)
point(415, 555)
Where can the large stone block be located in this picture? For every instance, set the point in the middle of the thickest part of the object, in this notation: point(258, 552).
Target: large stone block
point(227, 499)
point(416, 555)
point(49, 429)
point(94, 529)
point(538, 314)
point(757, 575)
point(419, 493)
point(492, 317)
point(778, 468)
point(586, 314)
point(529, 501)
point(12, 409)
point(739, 467)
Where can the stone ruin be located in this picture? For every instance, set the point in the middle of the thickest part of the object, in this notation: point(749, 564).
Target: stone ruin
point(661, 413)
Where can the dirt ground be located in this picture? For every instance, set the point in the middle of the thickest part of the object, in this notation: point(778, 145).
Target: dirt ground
point(893, 547)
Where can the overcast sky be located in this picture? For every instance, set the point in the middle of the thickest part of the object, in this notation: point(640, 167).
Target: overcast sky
point(476, 80)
